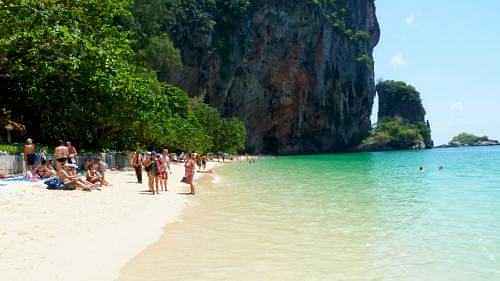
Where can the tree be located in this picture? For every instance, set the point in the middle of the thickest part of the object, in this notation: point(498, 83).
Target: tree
point(231, 136)
point(88, 71)
point(396, 133)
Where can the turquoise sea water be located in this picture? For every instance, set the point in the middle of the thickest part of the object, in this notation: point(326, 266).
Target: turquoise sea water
point(369, 216)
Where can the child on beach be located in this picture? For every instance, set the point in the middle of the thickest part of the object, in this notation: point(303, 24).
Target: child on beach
point(94, 177)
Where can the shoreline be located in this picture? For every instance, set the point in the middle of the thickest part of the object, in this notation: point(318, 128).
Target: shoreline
point(60, 235)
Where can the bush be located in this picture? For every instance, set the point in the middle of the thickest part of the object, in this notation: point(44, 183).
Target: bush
point(395, 133)
point(11, 148)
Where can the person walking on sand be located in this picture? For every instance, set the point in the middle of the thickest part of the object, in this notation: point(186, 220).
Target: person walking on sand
point(61, 155)
point(136, 163)
point(166, 158)
point(189, 168)
point(155, 173)
point(29, 155)
point(148, 163)
point(162, 172)
point(204, 160)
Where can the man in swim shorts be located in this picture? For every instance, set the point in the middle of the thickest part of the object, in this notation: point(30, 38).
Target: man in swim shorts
point(29, 154)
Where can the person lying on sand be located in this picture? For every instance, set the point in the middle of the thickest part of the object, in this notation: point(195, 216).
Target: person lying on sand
point(71, 181)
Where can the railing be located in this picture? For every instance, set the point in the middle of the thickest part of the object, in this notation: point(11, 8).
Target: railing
point(13, 164)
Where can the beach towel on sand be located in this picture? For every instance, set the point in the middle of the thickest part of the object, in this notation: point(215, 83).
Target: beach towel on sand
point(54, 183)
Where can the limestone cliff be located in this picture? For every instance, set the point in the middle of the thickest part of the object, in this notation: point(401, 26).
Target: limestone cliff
point(400, 100)
point(298, 72)
point(397, 99)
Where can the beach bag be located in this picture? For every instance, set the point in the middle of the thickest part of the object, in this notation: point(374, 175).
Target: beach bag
point(54, 183)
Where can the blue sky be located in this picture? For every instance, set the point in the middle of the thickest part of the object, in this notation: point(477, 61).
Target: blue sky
point(450, 51)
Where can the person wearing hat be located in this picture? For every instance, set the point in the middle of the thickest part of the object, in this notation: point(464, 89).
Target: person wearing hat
point(67, 174)
point(29, 154)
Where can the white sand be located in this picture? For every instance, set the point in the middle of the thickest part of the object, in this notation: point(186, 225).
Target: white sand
point(76, 235)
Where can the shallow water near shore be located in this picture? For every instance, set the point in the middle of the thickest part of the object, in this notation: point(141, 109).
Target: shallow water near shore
point(367, 216)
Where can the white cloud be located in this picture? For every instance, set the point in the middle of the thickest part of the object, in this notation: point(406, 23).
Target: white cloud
point(398, 60)
point(410, 20)
point(457, 107)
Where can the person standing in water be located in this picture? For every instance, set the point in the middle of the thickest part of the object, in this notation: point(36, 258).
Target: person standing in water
point(29, 155)
point(189, 168)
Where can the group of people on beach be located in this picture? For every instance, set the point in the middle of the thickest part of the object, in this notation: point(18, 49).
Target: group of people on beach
point(63, 174)
point(61, 170)
point(157, 167)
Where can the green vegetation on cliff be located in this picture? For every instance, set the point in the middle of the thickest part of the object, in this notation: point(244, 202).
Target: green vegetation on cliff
point(89, 71)
point(396, 133)
point(401, 103)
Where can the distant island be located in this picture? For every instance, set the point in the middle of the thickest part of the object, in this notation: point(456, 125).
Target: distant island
point(466, 139)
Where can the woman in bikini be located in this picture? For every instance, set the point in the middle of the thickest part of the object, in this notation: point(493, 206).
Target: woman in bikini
point(155, 174)
point(72, 152)
point(189, 168)
point(162, 172)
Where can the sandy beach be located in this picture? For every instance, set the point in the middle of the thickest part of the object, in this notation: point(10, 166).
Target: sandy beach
point(74, 235)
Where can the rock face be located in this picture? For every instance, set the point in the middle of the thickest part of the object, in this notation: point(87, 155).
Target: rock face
point(301, 79)
point(397, 99)
point(400, 100)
